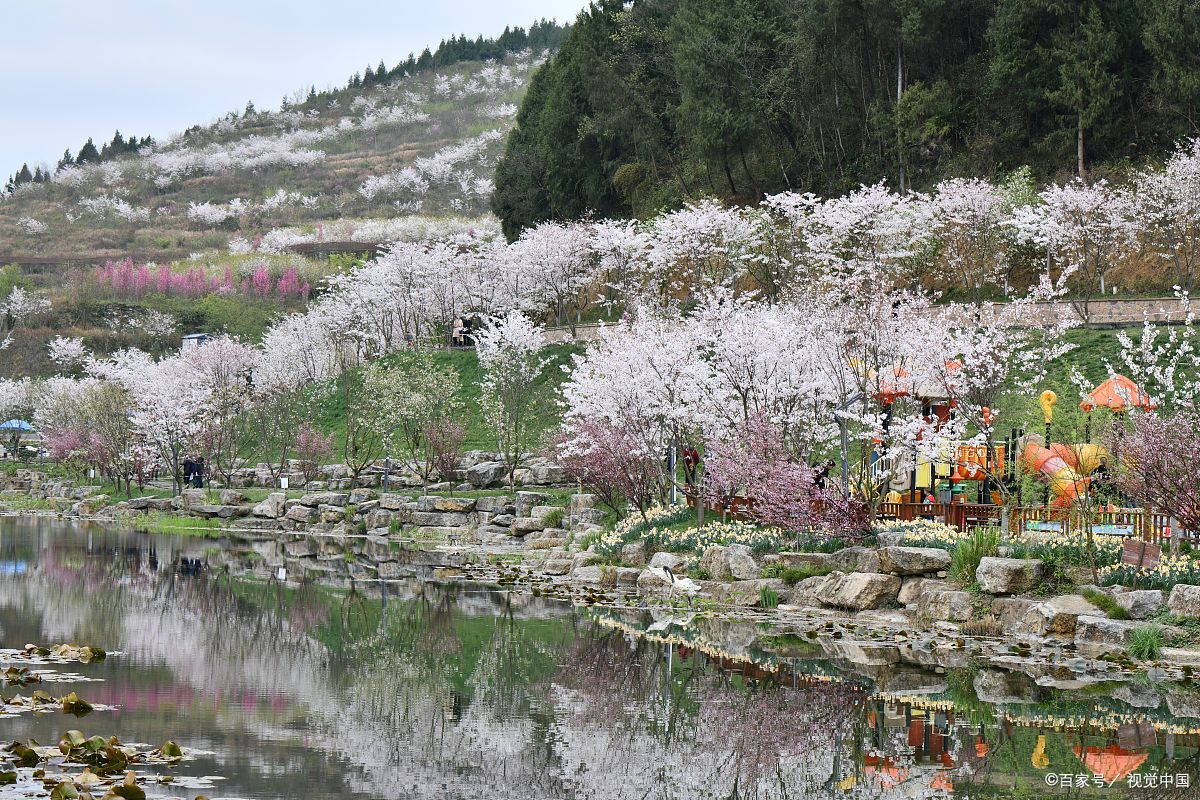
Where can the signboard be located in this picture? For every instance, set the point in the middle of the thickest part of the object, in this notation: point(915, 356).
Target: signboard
point(1137, 553)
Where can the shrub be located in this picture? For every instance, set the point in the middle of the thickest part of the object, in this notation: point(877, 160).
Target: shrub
point(1145, 642)
point(966, 555)
point(768, 597)
point(1105, 603)
point(554, 519)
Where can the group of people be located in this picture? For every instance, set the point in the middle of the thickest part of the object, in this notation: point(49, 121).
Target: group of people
point(193, 472)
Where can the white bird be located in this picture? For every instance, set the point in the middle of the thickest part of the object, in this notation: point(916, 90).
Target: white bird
point(685, 586)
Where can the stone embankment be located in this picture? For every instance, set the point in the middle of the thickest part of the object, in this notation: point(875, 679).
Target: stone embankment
point(362, 534)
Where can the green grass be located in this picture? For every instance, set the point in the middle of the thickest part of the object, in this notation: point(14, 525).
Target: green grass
point(1146, 642)
point(1105, 603)
point(965, 557)
point(24, 502)
point(177, 524)
point(768, 597)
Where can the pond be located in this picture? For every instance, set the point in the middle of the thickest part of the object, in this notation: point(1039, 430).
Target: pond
point(419, 688)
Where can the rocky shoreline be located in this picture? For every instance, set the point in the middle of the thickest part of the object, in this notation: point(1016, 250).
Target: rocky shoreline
point(341, 537)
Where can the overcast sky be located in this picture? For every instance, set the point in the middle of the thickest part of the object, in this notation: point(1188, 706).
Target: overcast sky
point(71, 70)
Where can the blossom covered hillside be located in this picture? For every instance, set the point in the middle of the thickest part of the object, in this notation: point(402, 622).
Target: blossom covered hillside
point(356, 164)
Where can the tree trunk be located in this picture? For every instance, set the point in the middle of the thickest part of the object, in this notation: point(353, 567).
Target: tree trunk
point(1079, 144)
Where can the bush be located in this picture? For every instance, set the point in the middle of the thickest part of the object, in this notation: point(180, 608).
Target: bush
point(966, 555)
point(1145, 642)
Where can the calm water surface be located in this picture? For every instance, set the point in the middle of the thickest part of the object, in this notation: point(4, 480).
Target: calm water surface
point(441, 690)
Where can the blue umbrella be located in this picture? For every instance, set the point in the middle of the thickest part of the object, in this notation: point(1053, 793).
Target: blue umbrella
point(16, 425)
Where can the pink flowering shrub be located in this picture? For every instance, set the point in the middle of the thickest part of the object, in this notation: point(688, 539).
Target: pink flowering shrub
point(125, 279)
point(313, 448)
point(781, 486)
point(611, 461)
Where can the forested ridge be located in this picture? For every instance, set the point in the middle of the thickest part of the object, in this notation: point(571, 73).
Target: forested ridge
point(649, 103)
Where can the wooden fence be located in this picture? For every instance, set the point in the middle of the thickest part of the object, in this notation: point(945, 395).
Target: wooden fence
point(1147, 525)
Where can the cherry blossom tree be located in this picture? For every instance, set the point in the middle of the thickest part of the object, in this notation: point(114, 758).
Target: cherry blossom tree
point(511, 363)
point(611, 461)
point(966, 216)
point(1085, 229)
point(1166, 204)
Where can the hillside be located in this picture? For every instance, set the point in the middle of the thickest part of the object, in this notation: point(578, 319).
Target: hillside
point(372, 161)
point(648, 105)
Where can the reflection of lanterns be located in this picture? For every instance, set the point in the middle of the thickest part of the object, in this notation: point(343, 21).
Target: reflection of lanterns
point(1111, 763)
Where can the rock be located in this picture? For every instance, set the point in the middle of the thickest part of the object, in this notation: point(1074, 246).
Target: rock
point(458, 505)
point(524, 525)
point(324, 499)
point(378, 518)
point(332, 513)
point(139, 503)
point(299, 513)
point(272, 507)
point(503, 520)
point(742, 565)
point(359, 496)
point(800, 560)
point(581, 502)
point(231, 497)
point(439, 519)
point(949, 605)
point(489, 473)
point(859, 590)
point(189, 497)
point(911, 589)
point(913, 560)
point(855, 559)
point(1184, 600)
point(672, 561)
point(1059, 616)
point(998, 686)
point(593, 575)
point(526, 501)
point(494, 505)
point(584, 560)
point(715, 562)
point(1011, 613)
point(748, 592)
point(557, 566)
point(634, 553)
point(1008, 575)
point(628, 576)
point(392, 502)
point(1183, 703)
point(1138, 695)
point(807, 593)
point(1140, 604)
point(1103, 633)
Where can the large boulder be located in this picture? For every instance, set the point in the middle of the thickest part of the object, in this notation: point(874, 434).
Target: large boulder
point(998, 686)
point(946, 604)
point(715, 562)
point(1008, 575)
point(912, 588)
point(489, 473)
point(652, 581)
point(634, 553)
point(858, 590)
point(316, 499)
point(855, 559)
point(1011, 612)
point(1102, 633)
point(593, 575)
point(1059, 616)
point(1140, 604)
point(1184, 600)
point(800, 560)
point(913, 560)
point(272, 507)
point(742, 566)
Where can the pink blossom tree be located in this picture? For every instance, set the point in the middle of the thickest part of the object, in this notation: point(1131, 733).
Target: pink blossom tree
point(1160, 464)
point(612, 461)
